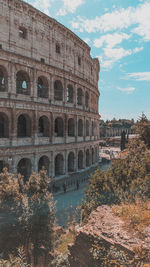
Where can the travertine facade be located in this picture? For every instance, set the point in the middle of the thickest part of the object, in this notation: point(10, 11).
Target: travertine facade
point(48, 94)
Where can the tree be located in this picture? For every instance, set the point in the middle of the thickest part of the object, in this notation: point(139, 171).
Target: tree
point(143, 129)
point(125, 180)
point(27, 214)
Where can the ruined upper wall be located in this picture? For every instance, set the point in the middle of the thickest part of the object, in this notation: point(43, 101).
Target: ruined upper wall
point(26, 31)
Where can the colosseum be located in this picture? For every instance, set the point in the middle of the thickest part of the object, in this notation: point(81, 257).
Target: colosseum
point(49, 95)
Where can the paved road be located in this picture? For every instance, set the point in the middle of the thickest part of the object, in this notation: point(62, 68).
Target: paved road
point(67, 203)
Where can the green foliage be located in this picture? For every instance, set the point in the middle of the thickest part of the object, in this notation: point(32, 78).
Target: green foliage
point(127, 179)
point(27, 214)
point(143, 129)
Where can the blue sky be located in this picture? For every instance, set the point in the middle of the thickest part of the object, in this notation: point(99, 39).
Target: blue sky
point(118, 32)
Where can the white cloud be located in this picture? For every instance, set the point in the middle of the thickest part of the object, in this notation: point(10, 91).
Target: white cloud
point(116, 53)
point(69, 6)
point(137, 17)
point(112, 55)
point(127, 90)
point(140, 76)
point(43, 5)
point(111, 39)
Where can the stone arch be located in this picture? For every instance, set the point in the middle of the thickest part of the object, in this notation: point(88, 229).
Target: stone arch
point(3, 79)
point(24, 167)
point(71, 160)
point(24, 126)
point(57, 48)
point(58, 90)
point(87, 128)
point(71, 127)
point(42, 87)
point(22, 83)
point(43, 129)
point(79, 96)
point(92, 128)
point(93, 156)
point(4, 125)
point(59, 165)
point(87, 157)
point(44, 163)
point(69, 93)
point(80, 127)
point(96, 154)
point(59, 127)
point(87, 99)
point(80, 160)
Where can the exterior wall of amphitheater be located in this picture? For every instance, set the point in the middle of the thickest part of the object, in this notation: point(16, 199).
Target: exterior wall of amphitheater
point(48, 94)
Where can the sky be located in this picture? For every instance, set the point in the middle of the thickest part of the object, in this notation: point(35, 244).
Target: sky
point(118, 32)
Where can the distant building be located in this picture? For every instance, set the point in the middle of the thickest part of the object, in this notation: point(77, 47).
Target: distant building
point(115, 128)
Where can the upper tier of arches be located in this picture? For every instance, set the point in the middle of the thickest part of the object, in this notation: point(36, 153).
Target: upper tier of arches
point(32, 34)
point(46, 87)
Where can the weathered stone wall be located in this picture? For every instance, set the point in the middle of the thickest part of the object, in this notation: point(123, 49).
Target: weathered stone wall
point(107, 240)
point(35, 48)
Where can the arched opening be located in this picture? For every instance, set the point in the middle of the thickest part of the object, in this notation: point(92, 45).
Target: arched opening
point(92, 128)
point(24, 168)
point(44, 163)
point(69, 94)
point(59, 127)
point(86, 99)
point(87, 128)
point(3, 80)
point(71, 162)
point(43, 127)
point(57, 48)
point(71, 127)
point(4, 126)
point(96, 154)
point(87, 157)
point(80, 160)
point(42, 87)
point(22, 83)
point(80, 127)
point(24, 126)
point(79, 96)
point(93, 156)
point(58, 91)
point(59, 165)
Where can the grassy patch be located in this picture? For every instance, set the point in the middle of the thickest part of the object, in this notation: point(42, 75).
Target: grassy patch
point(137, 214)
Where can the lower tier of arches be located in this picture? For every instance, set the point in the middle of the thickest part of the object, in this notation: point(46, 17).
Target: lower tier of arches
point(57, 162)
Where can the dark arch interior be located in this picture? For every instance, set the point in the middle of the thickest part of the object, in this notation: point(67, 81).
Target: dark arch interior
point(42, 87)
point(24, 168)
point(59, 165)
point(44, 163)
point(59, 127)
point(24, 126)
point(71, 127)
point(58, 91)
point(23, 83)
point(43, 127)
point(80, 127)
point(4, 126)
point(80, 160)
point(71, 162)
